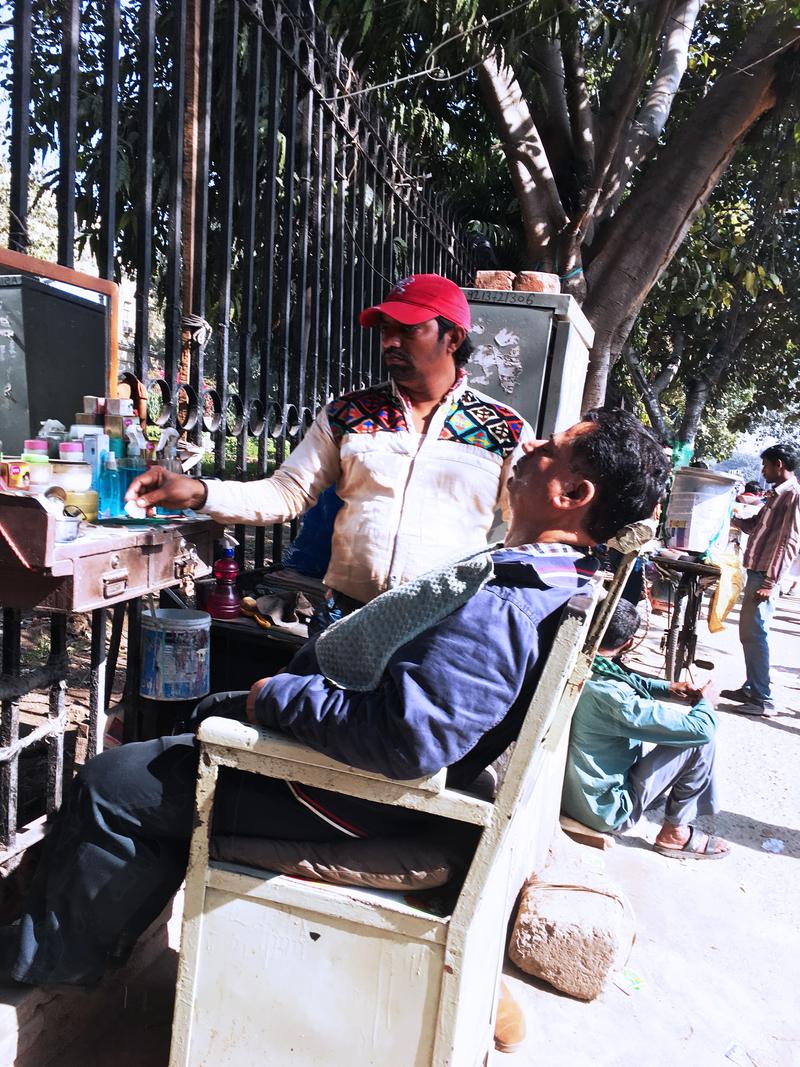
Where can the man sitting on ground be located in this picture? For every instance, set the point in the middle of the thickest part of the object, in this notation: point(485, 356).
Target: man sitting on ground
point(452, 694)
point(610, 782)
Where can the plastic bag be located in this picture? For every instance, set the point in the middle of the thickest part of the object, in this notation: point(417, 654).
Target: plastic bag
point(728, 590)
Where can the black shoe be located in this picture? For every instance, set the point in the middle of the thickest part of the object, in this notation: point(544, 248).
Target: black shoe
point(756, 708)
point(740, 695)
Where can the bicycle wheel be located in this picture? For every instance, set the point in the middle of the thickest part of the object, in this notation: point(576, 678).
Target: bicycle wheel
point(676, 647)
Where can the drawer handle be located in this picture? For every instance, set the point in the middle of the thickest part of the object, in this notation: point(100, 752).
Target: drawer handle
point(114, 584)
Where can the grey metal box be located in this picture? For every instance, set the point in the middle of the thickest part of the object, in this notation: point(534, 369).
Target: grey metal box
point(54, 348)
point(531, 352)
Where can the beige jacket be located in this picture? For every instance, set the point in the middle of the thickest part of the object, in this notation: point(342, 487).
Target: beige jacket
point(411, 501)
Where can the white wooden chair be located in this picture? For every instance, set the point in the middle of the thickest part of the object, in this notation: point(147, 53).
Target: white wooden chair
point(277, 970)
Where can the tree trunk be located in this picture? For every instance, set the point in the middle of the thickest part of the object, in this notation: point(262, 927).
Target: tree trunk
point(540, 204)
point(645, 234)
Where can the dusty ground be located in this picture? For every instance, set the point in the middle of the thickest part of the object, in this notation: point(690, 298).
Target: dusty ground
point(715, 970)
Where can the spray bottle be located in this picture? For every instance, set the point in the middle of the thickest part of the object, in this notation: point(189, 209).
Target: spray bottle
point(167, 457)
point(224, 600)
point(134, 463)
point(110, 497)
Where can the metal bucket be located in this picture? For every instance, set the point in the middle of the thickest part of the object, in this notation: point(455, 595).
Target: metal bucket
point(699, 509)
point(175, 654)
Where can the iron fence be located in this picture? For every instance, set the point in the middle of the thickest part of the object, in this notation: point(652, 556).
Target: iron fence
point(223, 155)
point(220, 156)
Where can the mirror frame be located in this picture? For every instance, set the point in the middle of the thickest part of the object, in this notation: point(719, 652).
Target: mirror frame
point(20, 263)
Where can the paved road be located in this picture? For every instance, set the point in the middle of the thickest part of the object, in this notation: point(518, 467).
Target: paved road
point(718, 944)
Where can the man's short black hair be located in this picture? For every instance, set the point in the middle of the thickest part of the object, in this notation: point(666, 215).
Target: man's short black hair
point(464, 351)
point(622, 625)
point(783, 453)
point(628, 467)
point(752, 487)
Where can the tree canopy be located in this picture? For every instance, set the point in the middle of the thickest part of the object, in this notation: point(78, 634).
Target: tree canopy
point(589, 136)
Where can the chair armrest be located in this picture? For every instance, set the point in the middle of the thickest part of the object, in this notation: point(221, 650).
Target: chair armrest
point(258, 741)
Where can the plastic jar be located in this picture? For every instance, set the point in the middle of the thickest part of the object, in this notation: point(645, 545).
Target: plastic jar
point(35, 445)
point(71, 476)
point(71, 451)
point(40, 469)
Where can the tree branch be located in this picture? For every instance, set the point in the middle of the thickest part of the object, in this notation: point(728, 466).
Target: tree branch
point(666, 376)
point(554, 126)
point(623, 92)
point(646, 129)
point(578, 105)
point(540, 202)
point(650, 225)
point(650, 398)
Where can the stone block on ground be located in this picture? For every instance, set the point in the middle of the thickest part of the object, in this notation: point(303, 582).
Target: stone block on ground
point(585, 835)
point(494, 279)
point(573, 927)
point(537, 281)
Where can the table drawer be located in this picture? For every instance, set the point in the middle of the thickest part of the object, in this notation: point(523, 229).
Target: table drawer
point(109, 577)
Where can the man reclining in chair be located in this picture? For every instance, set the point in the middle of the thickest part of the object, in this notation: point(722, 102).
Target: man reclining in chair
point(610, 782)
point(452, 695)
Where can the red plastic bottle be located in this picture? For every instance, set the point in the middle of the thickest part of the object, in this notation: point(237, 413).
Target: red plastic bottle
point(224, 600)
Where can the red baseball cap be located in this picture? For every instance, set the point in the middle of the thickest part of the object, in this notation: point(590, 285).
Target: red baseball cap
point(418, 298)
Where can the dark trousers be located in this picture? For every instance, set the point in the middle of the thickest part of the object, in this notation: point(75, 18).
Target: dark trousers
point(118, 850)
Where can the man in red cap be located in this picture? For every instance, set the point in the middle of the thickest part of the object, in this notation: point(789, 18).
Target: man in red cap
point(421, 461)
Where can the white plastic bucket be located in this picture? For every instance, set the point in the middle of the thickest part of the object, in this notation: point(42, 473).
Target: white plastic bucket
point(175, 654)
point(699, 509)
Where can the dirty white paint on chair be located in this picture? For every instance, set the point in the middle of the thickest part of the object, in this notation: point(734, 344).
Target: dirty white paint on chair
point(276, 970)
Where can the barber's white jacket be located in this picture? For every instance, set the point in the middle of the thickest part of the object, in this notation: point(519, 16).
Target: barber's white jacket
point(411, 500)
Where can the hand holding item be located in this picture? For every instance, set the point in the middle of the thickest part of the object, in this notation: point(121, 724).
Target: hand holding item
point(684, 691)
point(157, 486)
point(764, 592)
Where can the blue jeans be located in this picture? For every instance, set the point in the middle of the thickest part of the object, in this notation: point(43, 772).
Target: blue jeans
point(754, 623)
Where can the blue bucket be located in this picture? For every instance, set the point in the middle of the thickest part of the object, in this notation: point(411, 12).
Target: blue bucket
point(175, 654)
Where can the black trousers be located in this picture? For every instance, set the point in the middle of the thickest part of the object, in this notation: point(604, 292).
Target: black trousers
point(118, 850)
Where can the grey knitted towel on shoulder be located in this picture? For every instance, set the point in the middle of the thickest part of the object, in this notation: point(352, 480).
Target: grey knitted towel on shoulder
point(353, 652)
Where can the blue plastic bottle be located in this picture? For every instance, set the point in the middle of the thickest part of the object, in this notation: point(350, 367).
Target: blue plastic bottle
point(110, 489)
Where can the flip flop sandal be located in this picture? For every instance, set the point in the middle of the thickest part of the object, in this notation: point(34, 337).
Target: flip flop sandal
point(699, 846)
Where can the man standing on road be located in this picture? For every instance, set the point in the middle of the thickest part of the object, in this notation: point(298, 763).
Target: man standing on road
point(772, 545)
point(421, 461)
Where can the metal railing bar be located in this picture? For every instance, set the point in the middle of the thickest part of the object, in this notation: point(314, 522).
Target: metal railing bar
point(57, 712)
point(304, 150)
point(200, 273)
point(227, 172)
point(68, 130)
point(317, 256)
point(144, 249)
point(172, 310)
point(108, 151)
point(9, 725)
point(248, 214)
point(20, 128)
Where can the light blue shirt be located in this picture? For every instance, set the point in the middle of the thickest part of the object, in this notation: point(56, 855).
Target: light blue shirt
point(618, 712)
